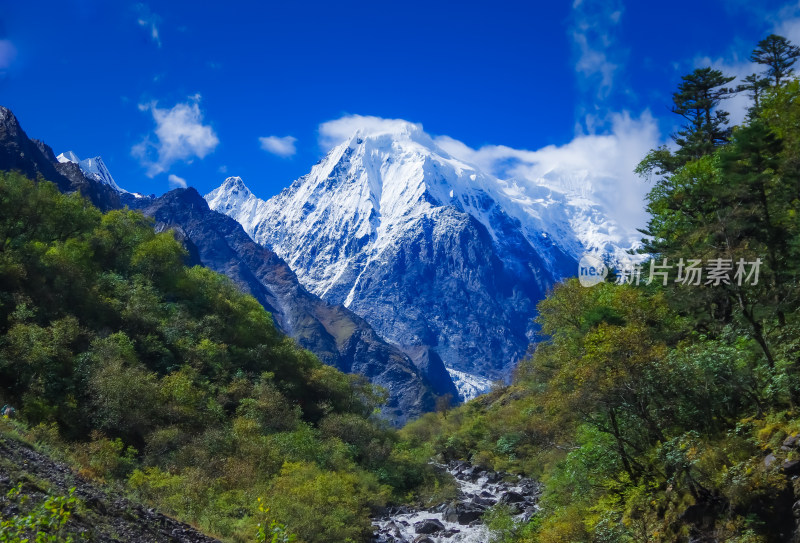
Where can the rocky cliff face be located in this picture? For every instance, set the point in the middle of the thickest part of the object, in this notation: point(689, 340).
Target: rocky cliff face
point(335, 334)
point(35, 159)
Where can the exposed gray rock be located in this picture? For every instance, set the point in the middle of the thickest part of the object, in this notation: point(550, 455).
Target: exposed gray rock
point(463, 515)
point(512, 497)
point(428, 526)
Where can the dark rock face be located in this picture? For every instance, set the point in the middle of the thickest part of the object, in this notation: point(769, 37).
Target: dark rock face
point(36, 160)
point(463, 514)
point(456, 294)
point(103, 196)
point(20, 153)
point(432, 368)
point(335, 334)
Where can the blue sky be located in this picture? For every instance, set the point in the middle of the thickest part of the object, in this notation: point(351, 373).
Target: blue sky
point(193, 91)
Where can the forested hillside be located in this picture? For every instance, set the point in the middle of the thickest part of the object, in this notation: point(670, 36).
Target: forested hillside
point(665, 408)
point(171, 383)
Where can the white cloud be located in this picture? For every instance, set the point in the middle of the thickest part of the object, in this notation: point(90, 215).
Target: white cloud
point(334, 132)
point(787, 22)
point(180, 134)
point(592, 31)
point(149, 21)
point(596, 165)
point(599, 166)
point(7, 54)
point(283, 147)
point(176, 182)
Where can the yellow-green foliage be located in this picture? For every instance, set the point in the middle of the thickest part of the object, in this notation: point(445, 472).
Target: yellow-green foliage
point(43, 521)
point(141, 370)
point(325, 505)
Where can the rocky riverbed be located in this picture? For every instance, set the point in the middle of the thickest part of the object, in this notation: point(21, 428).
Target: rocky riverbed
point(461, 520)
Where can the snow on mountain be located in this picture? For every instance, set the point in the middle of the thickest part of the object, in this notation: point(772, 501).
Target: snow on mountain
point(427, 248)
point(397, 171)
point(68, 156)
point(93, 168)
point(469, 386)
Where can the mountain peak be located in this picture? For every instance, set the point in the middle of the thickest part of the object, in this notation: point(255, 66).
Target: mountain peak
point(68, 156)
point(235, 183)
point(232, 188)
point(397, 129)
point(392, 135)
point(93, 168)
point(389, 210)
point(233, 194)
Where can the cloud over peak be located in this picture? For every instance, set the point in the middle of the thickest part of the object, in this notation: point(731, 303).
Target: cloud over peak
point(597, 166)
point(176, 182)
point(332, 133)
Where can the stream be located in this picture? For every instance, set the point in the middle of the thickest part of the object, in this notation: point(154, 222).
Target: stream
point(460, 520)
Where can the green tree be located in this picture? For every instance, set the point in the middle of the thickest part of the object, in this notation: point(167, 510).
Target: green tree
point(322, 506)
point(755, 86)
point(779, 55)
point(697, 100)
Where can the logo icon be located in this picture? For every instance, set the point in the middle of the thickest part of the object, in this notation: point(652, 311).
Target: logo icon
point(591, 270)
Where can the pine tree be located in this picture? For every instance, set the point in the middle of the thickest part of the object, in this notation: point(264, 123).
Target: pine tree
point(754, 85)
point(778, 54)
point(696, 101)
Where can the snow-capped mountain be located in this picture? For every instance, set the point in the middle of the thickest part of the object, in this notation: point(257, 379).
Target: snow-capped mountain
point(427, 248)
point(93, 168)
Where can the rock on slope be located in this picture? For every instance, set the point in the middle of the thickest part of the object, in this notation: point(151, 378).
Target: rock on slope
point(104, 517)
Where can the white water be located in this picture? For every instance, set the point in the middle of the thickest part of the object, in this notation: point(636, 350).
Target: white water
point(402, 528)
point(399, 528)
